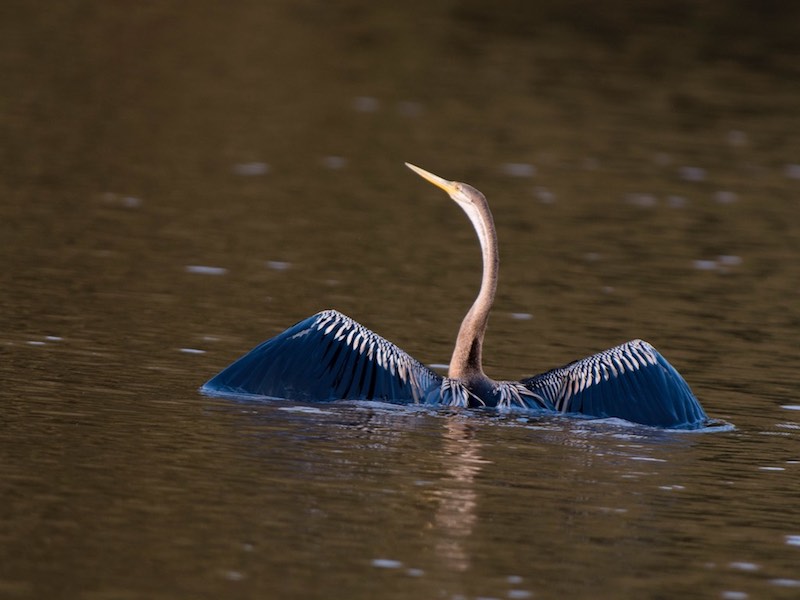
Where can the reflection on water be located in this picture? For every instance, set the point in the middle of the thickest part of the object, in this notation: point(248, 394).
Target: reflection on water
point(456, 515)
point(178, 186)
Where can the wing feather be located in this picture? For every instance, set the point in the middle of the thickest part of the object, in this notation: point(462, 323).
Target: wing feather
point(328, 356)
point(632, 382)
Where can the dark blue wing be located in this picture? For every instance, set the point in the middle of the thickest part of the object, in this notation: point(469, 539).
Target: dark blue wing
point(632, 381)
point(326, 357)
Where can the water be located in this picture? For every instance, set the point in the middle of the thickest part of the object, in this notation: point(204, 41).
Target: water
point(178, 186)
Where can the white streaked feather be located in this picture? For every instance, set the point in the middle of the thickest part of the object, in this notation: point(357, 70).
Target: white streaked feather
point(582, 381)
point(637, 357)
point(626, 358)
point(393, 364)
point(300, 334)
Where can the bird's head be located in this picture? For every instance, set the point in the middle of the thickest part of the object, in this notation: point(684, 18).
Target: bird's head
point(464, 194)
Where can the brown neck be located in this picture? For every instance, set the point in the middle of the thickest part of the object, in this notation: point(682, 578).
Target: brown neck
point(467, 360)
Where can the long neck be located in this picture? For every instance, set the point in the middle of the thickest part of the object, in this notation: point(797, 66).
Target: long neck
point(467, 360)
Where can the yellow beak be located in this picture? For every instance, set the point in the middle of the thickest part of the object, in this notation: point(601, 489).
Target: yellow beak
point(447, 186)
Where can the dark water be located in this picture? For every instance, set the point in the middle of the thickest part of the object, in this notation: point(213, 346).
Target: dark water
point(179, 182)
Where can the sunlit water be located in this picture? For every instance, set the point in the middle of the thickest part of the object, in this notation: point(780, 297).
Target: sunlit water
point(177, 187)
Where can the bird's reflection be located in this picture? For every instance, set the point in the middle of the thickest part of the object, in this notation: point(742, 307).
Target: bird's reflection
point(455, 515)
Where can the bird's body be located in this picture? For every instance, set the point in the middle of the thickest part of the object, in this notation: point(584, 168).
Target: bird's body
point(329, 356)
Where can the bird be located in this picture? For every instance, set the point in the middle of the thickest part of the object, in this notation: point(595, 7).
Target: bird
point(329, 356)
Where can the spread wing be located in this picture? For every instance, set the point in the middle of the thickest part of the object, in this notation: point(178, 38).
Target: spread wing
point(328, 356)
point(632, 381)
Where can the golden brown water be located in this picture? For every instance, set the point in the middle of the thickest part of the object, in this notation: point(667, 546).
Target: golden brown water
point(180, 183)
